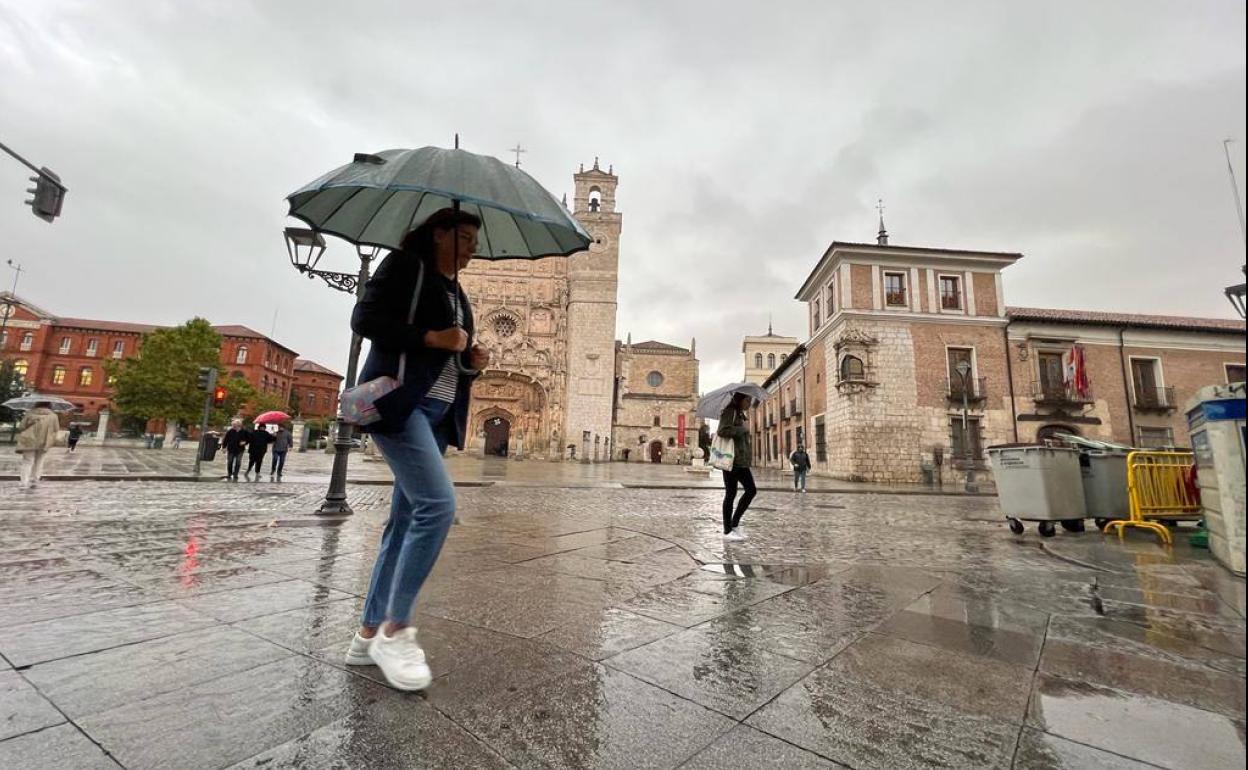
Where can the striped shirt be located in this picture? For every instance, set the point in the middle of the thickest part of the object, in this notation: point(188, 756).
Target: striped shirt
point(444, 387)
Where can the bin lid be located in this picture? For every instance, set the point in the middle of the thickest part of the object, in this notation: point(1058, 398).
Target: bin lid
point(1030, 447)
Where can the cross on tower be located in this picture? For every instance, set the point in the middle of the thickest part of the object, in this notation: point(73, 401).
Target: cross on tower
point(517, 150)
point(879, 206)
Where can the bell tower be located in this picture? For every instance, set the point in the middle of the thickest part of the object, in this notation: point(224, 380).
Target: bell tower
point(593, 281)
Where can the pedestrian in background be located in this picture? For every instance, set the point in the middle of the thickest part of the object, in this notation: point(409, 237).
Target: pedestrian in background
point(801, 465)
point(734, 424)
point(38, 434)
point(75, 433)
point(258, 440)
point(234, 441)
point(428, 412)
point(281, 445)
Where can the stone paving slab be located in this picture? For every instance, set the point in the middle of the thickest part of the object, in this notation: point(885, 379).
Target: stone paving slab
point(153, 624)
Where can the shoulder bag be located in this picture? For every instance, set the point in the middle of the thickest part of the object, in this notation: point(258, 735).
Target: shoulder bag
point(359, 404)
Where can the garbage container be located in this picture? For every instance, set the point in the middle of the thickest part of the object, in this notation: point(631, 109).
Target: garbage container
point(1105, 492)
point(1040, 484)
point(208, 449)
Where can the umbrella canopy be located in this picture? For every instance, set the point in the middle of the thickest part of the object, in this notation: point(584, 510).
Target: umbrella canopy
point(268, 417)
point(713, 404)
point(378, 199)
point(24, 403)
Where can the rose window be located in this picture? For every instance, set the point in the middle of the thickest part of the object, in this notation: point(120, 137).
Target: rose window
point(504, 326)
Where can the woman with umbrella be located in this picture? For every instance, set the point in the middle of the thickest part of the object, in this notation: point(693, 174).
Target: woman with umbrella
point(428, 412)
point(730, 404)
point(38, 434)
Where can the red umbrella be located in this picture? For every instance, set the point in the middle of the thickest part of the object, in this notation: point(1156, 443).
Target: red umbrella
point(269, 417)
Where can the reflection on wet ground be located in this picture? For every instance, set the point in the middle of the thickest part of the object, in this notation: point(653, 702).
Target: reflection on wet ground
point(150, 625)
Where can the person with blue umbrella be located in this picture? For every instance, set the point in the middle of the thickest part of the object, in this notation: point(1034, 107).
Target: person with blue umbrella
point(731, 403)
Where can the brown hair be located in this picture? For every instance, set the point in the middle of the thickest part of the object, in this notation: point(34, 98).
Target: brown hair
point(420, 239)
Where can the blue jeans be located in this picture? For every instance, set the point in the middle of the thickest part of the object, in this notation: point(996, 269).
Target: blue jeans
point(422, 510)
point(799, 478)
point(279, 463)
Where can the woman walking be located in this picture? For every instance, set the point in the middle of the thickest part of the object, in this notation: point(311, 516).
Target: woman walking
point(419, 419)
point(38, 434)
point(733, 424)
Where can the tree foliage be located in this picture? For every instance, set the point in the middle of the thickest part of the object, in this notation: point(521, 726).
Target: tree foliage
point(161, 382)
point(11, 386)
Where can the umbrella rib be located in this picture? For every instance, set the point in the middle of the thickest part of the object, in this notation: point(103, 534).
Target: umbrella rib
point(485, 231)
point(384, 203)
point(345, 201)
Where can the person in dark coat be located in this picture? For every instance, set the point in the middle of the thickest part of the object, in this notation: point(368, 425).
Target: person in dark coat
point(258, 441)
point(428, 412)
point(734, 424)
point(801, 465)
point(233, 442)
point(281, 445)
point(75, 433)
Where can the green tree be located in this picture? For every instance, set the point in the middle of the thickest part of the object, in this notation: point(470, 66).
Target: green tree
point(242, 400)
point(11, 386)
point(161, 382)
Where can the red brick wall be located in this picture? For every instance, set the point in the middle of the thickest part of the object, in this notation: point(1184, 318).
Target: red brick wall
point(986, 301)
point(324, 390)
point(860, 284)
point(931, 360)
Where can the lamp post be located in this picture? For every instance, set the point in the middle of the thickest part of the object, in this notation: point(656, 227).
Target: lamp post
point(963, 368)
point(1236, 296)
point(306, 247)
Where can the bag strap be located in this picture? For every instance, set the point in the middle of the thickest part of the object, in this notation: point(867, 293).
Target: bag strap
point(411, 313)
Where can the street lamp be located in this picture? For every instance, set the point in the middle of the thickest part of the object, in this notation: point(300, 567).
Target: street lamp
point(305, 248)
point(963, 368)
point(1236, 295)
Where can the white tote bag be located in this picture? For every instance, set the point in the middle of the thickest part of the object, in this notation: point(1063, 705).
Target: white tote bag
point(723, 449)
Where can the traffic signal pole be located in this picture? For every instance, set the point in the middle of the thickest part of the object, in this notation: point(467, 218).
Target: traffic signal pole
point(210, 391)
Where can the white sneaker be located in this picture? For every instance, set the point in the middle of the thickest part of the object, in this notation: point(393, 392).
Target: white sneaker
point(734, 535)
point(738, 530)
point(357, 653)
point(400, 658)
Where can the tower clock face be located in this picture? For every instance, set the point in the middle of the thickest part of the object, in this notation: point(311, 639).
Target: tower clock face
point(7, 310)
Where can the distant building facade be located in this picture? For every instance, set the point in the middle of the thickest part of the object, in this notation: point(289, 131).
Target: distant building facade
point(315, 389)
point(762, 353)
point(656, 392)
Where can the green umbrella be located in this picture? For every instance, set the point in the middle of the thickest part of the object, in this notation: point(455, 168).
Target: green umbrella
point(377, 199)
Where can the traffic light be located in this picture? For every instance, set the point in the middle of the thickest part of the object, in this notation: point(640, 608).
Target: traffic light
point(205, 378)
point(48, 195)
point(219, 395)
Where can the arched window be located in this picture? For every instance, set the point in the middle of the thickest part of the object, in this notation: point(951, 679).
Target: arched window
point(28, 341)
point(595, 198)
point(241, 358)
point(784, 357)
point(852, 369)
point(58, 375)
point(85, 376)
point(20, 367)
point(671, 441)
point(657, 421)
point(758, 360)
point(771, 360)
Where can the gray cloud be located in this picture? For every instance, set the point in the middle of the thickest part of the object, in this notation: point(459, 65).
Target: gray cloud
point(746, 137)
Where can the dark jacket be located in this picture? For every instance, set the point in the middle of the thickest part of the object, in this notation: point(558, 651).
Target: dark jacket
point(281, 440)
point(381, 317)
point(258, 441)
point(234, 440)
point(733, 425)
point(800, 460)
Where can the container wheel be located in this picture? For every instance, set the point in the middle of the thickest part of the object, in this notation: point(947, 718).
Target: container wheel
point(1073, 525)
point(1047, 529)
point(1102, 523)
point(1016, 526)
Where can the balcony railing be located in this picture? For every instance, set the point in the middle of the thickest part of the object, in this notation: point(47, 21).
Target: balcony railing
point(1057, 394)
point(895, 299)
point(976, 390)
point(793, 408)
point(1159, 399)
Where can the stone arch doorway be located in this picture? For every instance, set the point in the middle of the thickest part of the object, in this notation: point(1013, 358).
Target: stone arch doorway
point(1051, 431)
point(497, 436)
point(656, 451)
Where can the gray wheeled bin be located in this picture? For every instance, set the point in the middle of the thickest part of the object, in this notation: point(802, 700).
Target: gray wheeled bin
point(1105, 485)
point(1041, 484)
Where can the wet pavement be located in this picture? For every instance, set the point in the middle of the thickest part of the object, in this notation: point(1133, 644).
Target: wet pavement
point(105, 463)
point(149, 624)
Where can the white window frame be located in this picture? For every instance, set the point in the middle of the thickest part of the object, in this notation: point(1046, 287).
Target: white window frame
point(90, 374)
point(66, 344)
point(830, 303)
point(974, 378)
point(905, 288)
point(816, 318)
point(1226, 375)
point(940, 304)
point(27, 341)
point(1139, 434)
point(119, 348)
point(240, 355)
point(93, 347)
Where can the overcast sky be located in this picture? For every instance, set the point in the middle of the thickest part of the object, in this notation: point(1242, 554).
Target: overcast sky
point(747, 136)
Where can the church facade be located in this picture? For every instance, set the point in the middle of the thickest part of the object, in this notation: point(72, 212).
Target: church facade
point(550, 327)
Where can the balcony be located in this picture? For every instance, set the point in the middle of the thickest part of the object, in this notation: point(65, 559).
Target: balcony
point(1155, 399)
point(1057, 394)
point(976, 390)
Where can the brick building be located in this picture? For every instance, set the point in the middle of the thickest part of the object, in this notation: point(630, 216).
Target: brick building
point(888, 326)
point(656, 393)
point(65, 357)
point(315, 390)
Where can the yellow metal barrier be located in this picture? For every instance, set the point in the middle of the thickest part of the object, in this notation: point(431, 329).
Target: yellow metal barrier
point(1158, 489)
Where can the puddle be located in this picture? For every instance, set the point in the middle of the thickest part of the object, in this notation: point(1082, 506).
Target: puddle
point(784, 574)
